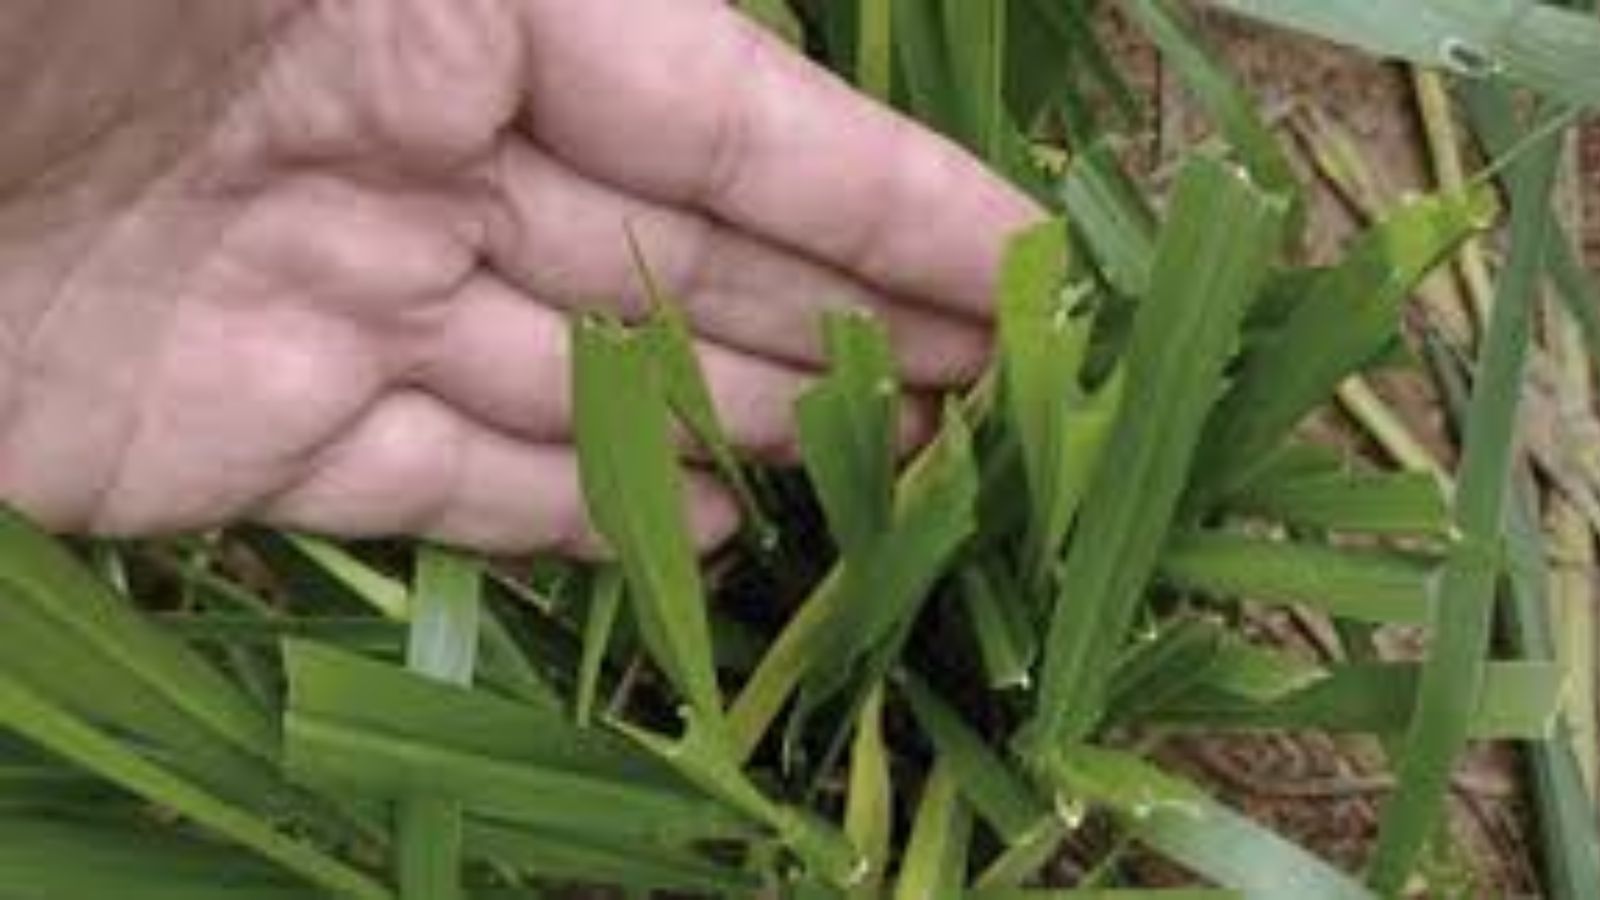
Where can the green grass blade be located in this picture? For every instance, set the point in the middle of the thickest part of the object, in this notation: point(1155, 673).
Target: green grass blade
point(1061, 428)
point(1362, 585)
point(383, 593)
point(778, 17)
point(1537, 44)
point(1168, 664)
point(1182, 823)
point(1519, 700)
point(1351, 313)
point(1465, 596)
point(934, 866)
point(869, 804)
point(444, 627)
point(371, 730)
point(635, 495)
point(881, 591)
point(931, 93)
point(65, 860)
point(1564, 804)
point(1224, 100)
point(1371, 503)
point(996, 792)
point(1492, 115)
point(671, 340)
point(1021, 863)
point(706, 759)
point(605, 601)
point(443, 646)
point(101, 631)
point(1115, 221)
point(589, 860)
point(1077, 43)
point(1204, 279)
point(875, 42)
point(36, 718)
point(1128, 894)
point(1003, 626)
point(975, 36)
point(505, 666)
point(847, 433)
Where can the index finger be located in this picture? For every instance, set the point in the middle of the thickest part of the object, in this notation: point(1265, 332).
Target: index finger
point(687, 102)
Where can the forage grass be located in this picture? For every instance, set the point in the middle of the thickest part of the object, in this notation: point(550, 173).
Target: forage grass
point(925, 677)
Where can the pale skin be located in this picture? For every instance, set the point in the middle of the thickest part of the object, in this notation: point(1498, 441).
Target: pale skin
point(341, 303)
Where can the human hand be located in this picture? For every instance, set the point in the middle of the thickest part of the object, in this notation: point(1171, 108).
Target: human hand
point(343, 306)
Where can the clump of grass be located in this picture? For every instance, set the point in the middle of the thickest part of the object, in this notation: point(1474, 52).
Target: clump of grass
point(958, 688)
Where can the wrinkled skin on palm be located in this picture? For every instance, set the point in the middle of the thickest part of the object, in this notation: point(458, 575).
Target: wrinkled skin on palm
point(312, 265)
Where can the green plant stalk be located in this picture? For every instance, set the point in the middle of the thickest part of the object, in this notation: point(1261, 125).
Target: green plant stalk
point(384, 594)
point(605, 603)
point(1439, 127)
point(936, 851)
point(1569, 846)
point(1464, 601)
point(1572, 539)
point(807, 635)
point(874, 72)
point(1385, 426)
point(443, 646)
point(869, 808)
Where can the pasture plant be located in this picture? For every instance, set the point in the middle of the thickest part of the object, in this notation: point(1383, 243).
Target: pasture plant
point(910, 678)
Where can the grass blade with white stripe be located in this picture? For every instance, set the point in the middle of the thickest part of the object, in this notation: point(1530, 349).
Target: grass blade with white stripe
point(444, 647)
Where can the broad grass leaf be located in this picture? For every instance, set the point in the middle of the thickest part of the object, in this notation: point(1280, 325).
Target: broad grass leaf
point(1350, 315)
point(1113, 219)
point(34, 716)
point(1379, 586)
point(996, 791)
point(635, 493)
point(1404, 503)
point(1520, 700)
point(1461, 620)
point(1543, 47)
point(848, 423)
point(376, 731)
point(881, 590)
point(60, 859)
point(559, 856)
point(104, 641)
point(1182, 823)
point(443, 645)
point(1060, 426)
point(683, 380)
point(1203, 281)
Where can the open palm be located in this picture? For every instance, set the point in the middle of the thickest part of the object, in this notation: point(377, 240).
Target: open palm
point(344, 307)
